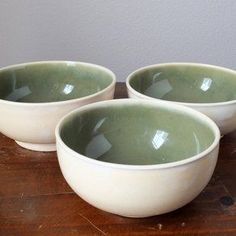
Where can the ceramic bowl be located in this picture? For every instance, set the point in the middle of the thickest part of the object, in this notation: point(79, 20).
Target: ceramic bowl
point(208, 89)
point(34, 96)
point(137, 158)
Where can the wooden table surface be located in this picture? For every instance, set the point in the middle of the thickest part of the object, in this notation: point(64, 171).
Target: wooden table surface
point(36, 200)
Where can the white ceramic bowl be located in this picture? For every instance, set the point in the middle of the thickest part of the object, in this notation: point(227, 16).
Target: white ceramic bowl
point(206, 88)
point(34, 96)
point(137, 158)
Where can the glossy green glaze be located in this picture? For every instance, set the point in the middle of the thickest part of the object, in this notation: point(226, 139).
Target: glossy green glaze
point(135, 134)
point(51, 81)
point(190, 83)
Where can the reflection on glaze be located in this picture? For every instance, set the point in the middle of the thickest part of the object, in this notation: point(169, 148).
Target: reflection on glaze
point(162, 87)
point(206, 84)
point(68, 89)
point(18, 94)
point(97, 146)
point(197, 142)
point(98, 125)
point(159, 138)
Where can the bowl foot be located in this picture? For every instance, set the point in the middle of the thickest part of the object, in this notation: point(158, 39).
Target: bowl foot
point(51, 147)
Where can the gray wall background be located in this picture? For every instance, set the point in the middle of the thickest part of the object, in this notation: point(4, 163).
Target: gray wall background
point(119, 34)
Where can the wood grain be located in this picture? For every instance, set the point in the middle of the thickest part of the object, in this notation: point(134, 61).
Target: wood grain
point(36, 200)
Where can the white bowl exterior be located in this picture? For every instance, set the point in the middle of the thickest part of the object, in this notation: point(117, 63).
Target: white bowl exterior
point(223, 115)
point(135, 192)
point(36, 123)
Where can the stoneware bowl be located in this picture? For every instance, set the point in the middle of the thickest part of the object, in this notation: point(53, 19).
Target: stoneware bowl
point(34, 96)
point(137, 158)
point(208, 89)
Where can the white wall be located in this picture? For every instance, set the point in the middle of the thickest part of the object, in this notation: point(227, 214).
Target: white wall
point(119, 34)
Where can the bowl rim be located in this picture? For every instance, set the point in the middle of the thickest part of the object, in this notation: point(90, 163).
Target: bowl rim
point(128, 102)
point(194, 104)
point(63, 102)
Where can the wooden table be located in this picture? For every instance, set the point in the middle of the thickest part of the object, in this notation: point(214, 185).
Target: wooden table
point(36, 200)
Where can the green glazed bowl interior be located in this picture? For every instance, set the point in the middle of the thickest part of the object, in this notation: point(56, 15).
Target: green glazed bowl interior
point(135, 134)
point(185, 82)
point(52, 81)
